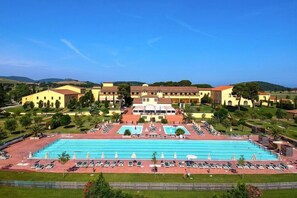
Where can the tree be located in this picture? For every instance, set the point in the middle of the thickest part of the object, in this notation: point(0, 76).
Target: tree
point(94, 109)
point(241, 162)
point(10, 124)
point(40, 104)
point(241, 122)
point(19, 91)
point(3, 134)
point(275, 131)
point(240, 91)
point(3, 96)
point(127, 132)
point(87, 99)
point(184, 83)
point(164, 121)
point(295, 119)
point(141, 120)
point(65, 120)
point(179, 132)
point(36, 129)
point(57, 104)
point(188, 114)
point(124, 94)
point(295, 102)
point(37, 119)
point(72, 104)
point(206, 99)
point(116, 116)
point(154, 161)
point(221, 114)
point(280, 114)
point(226, 123)
point(31, 104)
point(26, 106)
point(25, 121)
point(48, 104)
point(242, 191)
point(106, 103)
point(78, 121)
point(100, 188)
point(252, 91)
point(63, 159)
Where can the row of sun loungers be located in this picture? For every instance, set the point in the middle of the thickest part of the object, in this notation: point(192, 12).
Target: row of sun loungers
point(105, 164)
point(270, 166)
point(38, 166)
point(106, 128)
point(197, 130)
point(4, 155)
point(210, 129)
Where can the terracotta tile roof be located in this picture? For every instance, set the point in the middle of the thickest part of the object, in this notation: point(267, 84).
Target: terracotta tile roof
point(65, 91)
point(263, 93)
point(204, 89)
point(73, 86)
point(149, 96)
point(163, 89)
point(109, 89)
point(221, 88)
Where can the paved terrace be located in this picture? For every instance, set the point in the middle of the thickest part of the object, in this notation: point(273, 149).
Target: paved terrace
point(20, 151)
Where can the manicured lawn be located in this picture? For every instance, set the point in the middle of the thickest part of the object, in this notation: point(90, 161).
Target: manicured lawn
point(34, 176)
point(283, 94)
point(235, 130)
point(6, 191)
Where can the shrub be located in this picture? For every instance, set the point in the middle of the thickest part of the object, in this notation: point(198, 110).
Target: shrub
point(295, 119)
point(179, 132)
point(65, 120)
point(141, 120)
point(10, 124)
point(127, 132)
point(164, 121)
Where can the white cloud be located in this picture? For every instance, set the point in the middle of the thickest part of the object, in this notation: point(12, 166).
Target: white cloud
point(189, 27)
point(154, 40)
point(76, 50)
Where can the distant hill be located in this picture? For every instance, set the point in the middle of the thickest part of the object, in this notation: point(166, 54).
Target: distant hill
point(266, 86)
point(50, 80)
point(18, 78)
point(8, 81)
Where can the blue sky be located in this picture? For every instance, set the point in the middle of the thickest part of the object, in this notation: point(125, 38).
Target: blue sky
point(205, 41)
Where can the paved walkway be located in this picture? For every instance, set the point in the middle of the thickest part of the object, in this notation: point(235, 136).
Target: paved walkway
point(149, 185)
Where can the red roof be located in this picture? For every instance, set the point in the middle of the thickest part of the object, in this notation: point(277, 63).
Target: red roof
point(164, 89)
point(263, 93)
point(65, 91)
point(221, 88)
point(109, 89)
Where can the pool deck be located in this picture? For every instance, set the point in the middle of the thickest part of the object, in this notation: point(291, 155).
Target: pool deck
point(20, 151)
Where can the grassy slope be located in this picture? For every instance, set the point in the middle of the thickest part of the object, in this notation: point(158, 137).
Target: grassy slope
point(73, 193)
point(35, 176)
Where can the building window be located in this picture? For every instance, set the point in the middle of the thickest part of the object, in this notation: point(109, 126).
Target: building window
point(132, 93)
point(143, 100)
point(52, 98)
point(59, 97)
point(44, 98)
point(37, 97)
point(156, 100)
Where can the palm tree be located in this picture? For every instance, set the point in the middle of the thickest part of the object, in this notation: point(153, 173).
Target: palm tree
point(241, 162)
point(36, 128)
point(63, 159)
point(154, 160)
point(275, 131)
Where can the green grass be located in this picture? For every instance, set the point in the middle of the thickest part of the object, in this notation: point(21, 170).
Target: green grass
point(170, 178)
point(73, 193)
point(205, 194)
point(206, 109)
point(236, 130)
point(283, 94)
point(15, 109)
point(6, 191)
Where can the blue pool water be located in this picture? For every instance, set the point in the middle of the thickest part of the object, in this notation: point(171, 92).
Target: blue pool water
point(217, 149)
point(170, 130)
point(133, 129)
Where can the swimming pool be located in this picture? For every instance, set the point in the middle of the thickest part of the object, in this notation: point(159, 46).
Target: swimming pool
point(170, 130)
point(143, 149)
point(133, 129)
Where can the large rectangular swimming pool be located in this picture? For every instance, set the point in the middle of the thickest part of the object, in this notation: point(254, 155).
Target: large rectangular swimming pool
point(143, 149)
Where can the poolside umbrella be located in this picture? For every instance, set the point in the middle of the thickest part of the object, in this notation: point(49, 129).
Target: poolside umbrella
point(191, 157)
point(162, 155)
point(209, 156)
point(30, 155)
point(233, 157)
point(74, 156)
point(133, 156)
point(102, 155)
point(175, 155)
point(46, 155)
point(88, 156)
point(116, 156)
point(254, 157)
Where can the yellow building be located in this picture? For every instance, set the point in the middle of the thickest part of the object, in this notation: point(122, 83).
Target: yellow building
point(223, 95)
point(108, 92)
point(61, 94)
point(176, 94)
